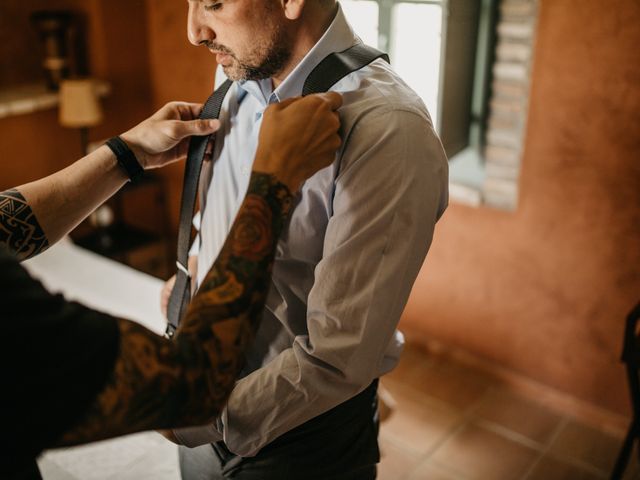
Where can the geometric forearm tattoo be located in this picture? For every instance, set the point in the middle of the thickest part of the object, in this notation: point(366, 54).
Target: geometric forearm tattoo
point(158, 383)
point(19, 228)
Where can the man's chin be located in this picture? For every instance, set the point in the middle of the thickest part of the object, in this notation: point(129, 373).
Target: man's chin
point(243, 73)
point(232, 73)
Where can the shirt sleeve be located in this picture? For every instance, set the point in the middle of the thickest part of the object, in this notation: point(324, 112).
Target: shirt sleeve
point(57, 356)
point(391, 189)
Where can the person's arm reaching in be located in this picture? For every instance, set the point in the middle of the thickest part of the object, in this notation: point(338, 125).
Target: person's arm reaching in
point(36, 215)
point(157, 383)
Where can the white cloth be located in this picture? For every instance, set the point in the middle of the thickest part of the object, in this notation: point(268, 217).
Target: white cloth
point(345, 265)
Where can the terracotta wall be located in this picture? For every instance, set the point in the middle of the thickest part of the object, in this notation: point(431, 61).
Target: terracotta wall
point(545, 290)
point(34, 145)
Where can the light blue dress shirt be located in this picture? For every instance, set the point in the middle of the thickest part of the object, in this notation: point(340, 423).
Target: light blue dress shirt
point(349, 257)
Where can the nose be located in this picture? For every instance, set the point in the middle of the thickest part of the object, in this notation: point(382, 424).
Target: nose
point(197, 29)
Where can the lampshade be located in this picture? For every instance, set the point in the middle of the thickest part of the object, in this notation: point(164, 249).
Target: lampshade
point(79, 104)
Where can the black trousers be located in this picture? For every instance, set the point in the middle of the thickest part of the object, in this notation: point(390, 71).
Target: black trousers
point(341, 444)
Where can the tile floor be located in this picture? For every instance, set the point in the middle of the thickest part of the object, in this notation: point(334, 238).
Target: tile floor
point(454, 423)
point(450, 422)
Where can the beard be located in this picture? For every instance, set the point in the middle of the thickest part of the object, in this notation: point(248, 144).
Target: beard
point(264, 61)
point(272, 63)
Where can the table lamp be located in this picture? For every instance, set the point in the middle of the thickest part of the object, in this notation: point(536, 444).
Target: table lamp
point(80, 107)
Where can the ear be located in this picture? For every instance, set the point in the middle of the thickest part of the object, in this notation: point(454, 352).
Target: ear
point(292, 8)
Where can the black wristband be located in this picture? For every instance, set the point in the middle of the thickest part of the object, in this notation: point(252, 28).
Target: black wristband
point(126, 158)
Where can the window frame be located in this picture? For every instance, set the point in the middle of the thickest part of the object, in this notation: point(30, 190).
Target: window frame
point(466, 135)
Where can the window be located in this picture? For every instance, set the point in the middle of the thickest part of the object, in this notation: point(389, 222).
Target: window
point(462, 57)
point(405, 29)
point(442, 49)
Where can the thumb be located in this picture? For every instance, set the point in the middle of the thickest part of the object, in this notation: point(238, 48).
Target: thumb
point(196, 127)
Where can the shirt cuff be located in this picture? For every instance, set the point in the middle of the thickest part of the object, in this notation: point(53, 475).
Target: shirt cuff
point(195, 436)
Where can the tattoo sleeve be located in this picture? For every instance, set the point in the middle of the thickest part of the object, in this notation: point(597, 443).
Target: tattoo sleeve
point(20, 231)
point(159, 384)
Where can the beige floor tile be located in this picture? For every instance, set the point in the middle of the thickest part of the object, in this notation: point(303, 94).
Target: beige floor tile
point(431, 471)
point(418, 423)
point(395, 462)
point(479, 454)
point(412, 359)
point(586, 444)
point(457, 385)
point(550, 468)
point(519, 415)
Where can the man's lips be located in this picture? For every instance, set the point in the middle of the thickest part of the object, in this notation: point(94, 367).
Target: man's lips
point(221, 58)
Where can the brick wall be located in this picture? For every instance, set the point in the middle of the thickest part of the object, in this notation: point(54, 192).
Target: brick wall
point(509, 102)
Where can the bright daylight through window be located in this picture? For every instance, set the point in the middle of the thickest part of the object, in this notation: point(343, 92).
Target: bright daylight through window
point(412, 34)
point(470, 62)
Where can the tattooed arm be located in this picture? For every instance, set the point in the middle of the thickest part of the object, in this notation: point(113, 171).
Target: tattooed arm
point(38, 214)
point(160, 384)
point(20, 231)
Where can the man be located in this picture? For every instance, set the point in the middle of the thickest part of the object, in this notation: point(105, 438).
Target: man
point(72, 375)
point(355, 242)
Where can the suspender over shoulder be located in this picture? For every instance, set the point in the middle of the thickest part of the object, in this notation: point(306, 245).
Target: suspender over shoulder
point(336, 66)
point(325, 75)
point(181, 293)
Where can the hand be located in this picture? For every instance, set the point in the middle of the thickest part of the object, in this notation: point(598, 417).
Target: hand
point(164, 137)
point(165, 294)
point(298, 137)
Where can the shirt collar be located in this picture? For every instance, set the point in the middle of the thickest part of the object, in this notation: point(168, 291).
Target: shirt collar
point(338, 37)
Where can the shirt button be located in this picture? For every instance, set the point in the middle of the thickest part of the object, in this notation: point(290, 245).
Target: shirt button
point(258, 116)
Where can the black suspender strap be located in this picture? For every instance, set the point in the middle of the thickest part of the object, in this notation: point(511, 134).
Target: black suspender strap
point(338, 65)
point(326, 74)
point(181, 293)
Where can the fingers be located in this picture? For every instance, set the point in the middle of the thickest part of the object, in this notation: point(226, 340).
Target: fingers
point(194, 110)
point(334, 99)
point(208, 152)
point(194, 127)
point(285, 103)
point(179, 111)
